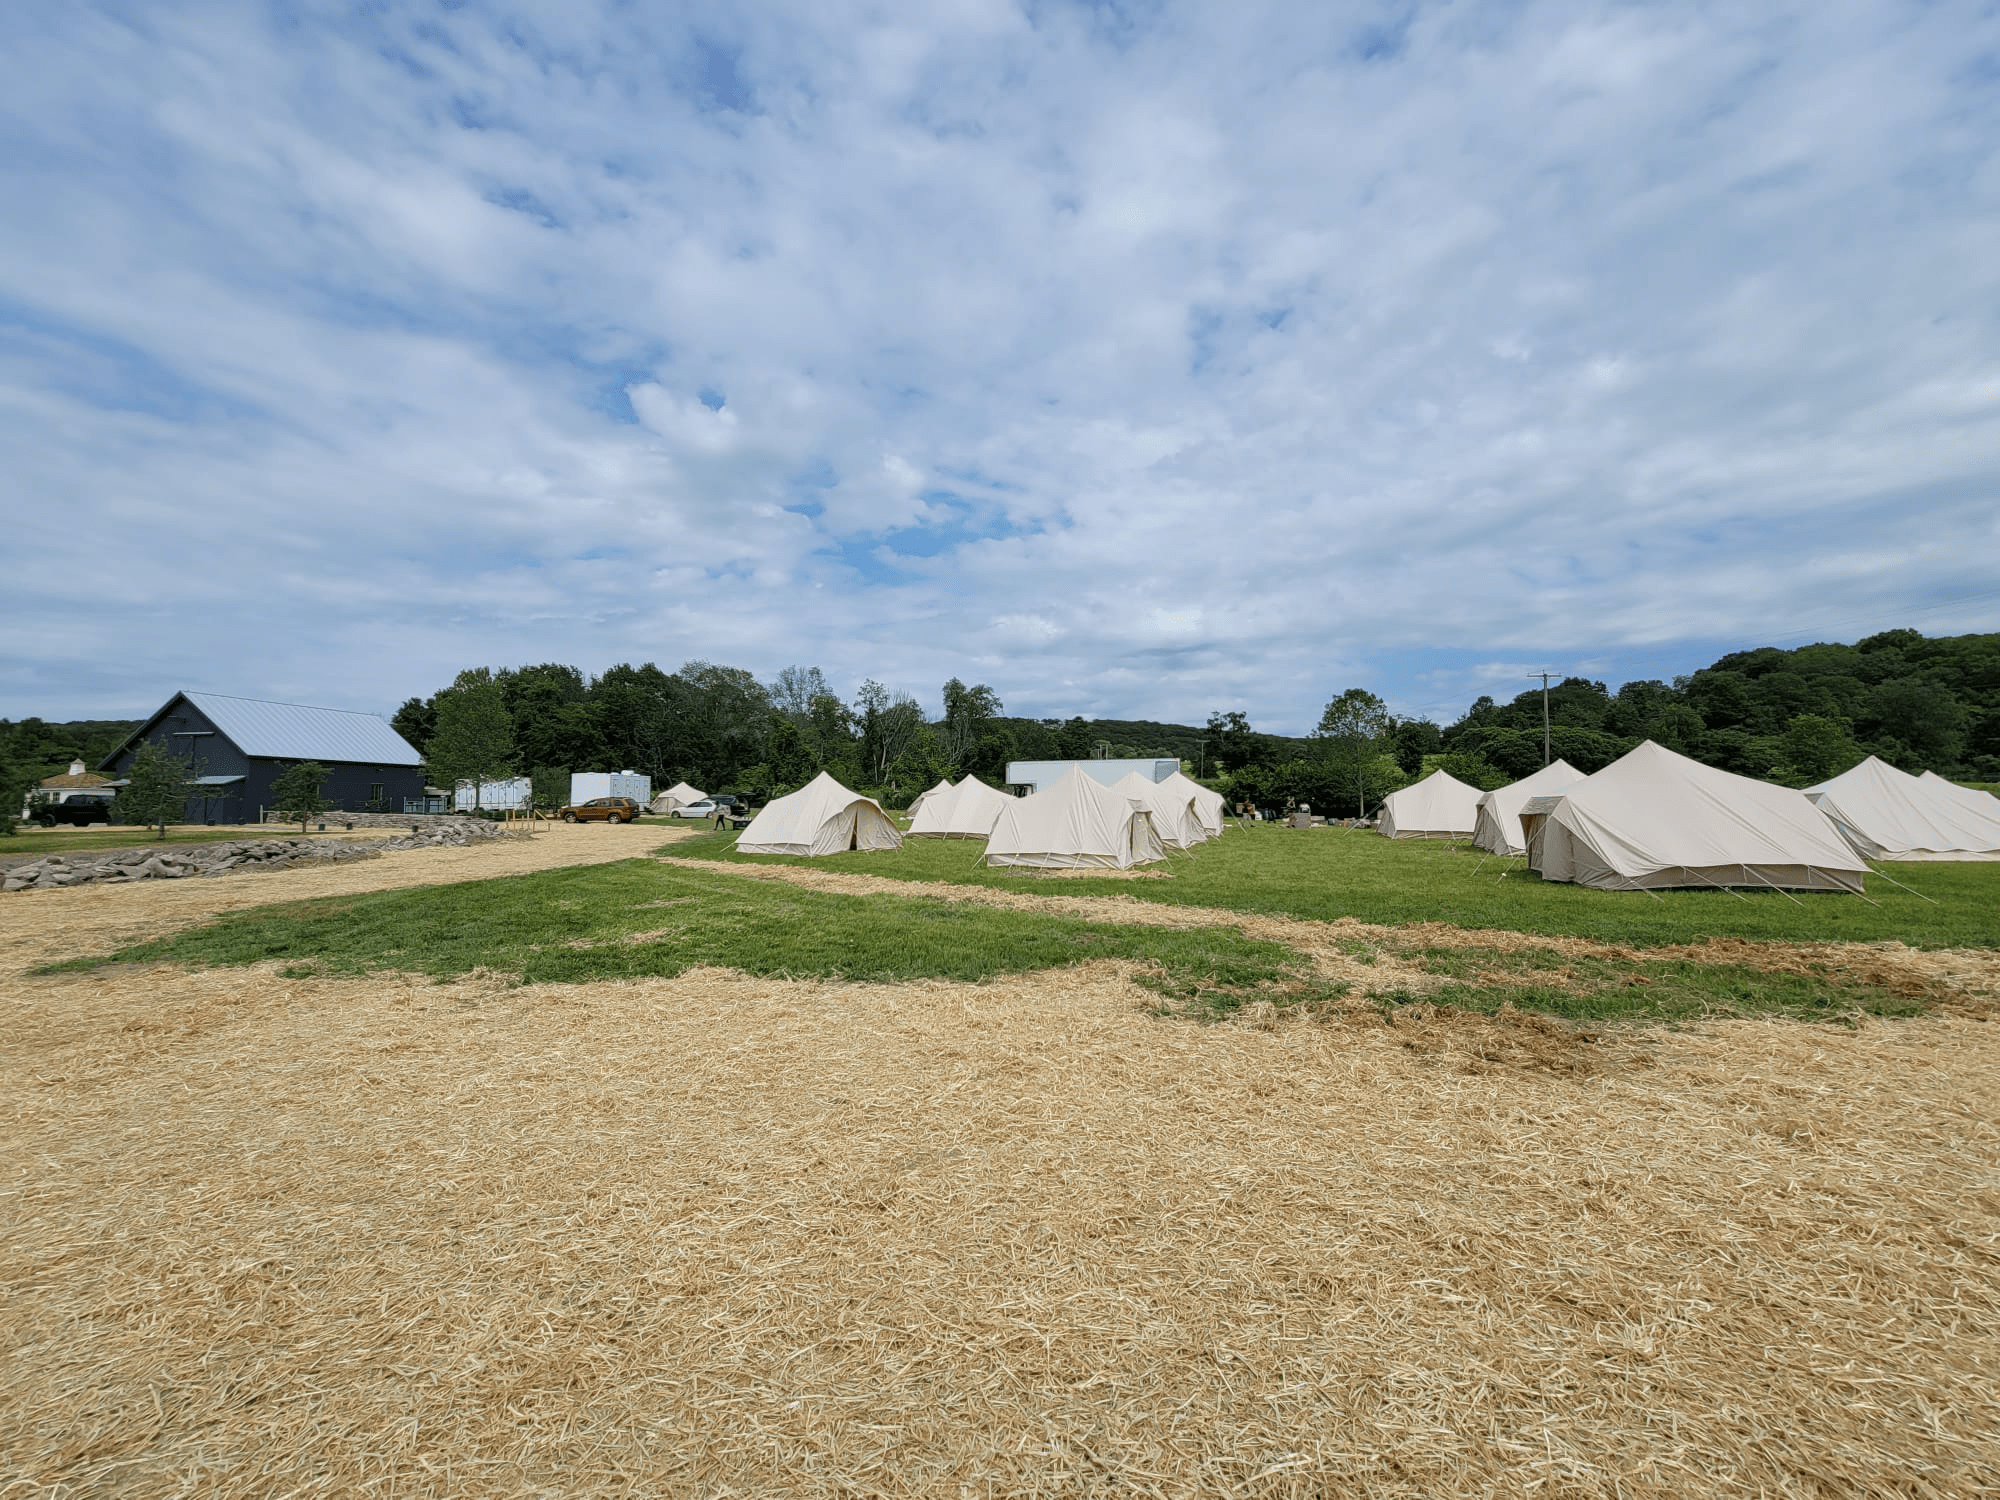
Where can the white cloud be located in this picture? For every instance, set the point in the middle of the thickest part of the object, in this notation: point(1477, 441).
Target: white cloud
point(1211, 356)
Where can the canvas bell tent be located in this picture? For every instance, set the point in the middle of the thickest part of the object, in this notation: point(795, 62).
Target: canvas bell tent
point(1208, 805)
point(1497, 828)
point(917, 802)
point(966, 811)
point(1174, 817)
point(822, 817)
point(1890, 814)
point(679, 795)
point(1653, 820)
point(1438, 807)
point(1074, 822)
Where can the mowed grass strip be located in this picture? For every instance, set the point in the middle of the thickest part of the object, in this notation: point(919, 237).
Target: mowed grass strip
point(637, 918)
point(1329, 873)
point(1604, 989)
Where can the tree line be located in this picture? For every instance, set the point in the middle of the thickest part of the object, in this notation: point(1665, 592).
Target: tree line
point(1790, 716)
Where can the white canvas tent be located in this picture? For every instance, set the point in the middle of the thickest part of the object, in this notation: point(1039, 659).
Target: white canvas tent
point(1208, 805)
point(1978, 801)
point(1653, 819)
point(1074, 822)
point(1174, 816)
point(1890, 814)
point(822, 817)
point(680, 794)
point(1497, 829)
point(917, 802)
point(966, 811)
point(1438, 807)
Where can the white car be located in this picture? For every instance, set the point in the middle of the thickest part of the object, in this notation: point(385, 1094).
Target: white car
point(702, 809)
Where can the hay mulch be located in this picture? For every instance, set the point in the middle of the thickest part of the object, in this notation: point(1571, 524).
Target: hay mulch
point(1368, 955)
point(38, 927)
point(726, 1236)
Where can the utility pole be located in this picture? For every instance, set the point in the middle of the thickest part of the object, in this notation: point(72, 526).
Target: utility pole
point(1545, 676)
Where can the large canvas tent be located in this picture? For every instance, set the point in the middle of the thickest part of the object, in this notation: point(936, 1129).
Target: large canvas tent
point(1208, 805)
point(679, 795)
point(966, 811)
point(1172, 807)
point(1978, 801)
point(1653, 819)
point(1497, 828)
point(1438, 807)
point(822, 817)
point(917, 802)
point(1890, 814)
point(1074, 822)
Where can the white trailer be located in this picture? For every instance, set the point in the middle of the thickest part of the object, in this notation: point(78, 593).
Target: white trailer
point(495, 796)
point(585, 785)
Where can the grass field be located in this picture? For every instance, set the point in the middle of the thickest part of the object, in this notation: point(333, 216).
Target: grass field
point(636, 919)
point(1332, 873)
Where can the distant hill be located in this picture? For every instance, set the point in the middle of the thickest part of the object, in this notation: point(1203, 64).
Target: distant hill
point(46, 749)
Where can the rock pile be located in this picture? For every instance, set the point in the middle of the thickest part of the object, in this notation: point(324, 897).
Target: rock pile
point(179, 861)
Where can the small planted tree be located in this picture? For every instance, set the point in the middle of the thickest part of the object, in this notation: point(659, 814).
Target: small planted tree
point(158, 786)
point(296, 793)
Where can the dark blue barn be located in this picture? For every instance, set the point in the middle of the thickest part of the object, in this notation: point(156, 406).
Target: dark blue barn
point(246, 744)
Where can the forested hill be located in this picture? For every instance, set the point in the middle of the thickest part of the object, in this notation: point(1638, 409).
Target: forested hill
point(1922, 703)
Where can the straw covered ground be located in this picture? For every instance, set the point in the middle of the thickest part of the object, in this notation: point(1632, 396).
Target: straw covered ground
point(36, 926)
point(268, 1233)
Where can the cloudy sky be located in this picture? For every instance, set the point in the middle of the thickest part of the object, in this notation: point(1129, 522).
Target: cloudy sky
point(1136, 358)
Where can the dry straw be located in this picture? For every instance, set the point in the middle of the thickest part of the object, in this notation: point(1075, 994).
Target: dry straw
point(724, 1236)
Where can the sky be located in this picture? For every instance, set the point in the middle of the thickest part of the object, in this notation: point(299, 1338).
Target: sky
point(1137, 359)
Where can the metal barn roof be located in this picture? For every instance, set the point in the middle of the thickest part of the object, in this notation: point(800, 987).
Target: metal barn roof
point(292, 731)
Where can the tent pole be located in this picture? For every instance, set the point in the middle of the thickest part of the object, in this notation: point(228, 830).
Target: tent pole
point(1786, 894)
point(1690, 869)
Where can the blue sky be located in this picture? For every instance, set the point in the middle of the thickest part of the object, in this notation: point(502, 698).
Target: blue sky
point(1138, 359)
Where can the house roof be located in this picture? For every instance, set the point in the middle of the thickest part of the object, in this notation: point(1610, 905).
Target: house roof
point(294, 731)
point(86, 778)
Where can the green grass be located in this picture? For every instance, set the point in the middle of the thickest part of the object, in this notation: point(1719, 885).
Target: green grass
point(36, 840)
point(637, 918)
point(1600, 989)
point(1331, 873)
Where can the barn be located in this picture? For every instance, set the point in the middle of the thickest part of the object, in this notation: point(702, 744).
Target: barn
point(245, 744)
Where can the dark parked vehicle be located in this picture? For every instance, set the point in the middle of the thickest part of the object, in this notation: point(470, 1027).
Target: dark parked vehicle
point(603, 810)
point(78, 812)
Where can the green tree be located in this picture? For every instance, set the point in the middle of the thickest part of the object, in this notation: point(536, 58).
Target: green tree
point(16, 780)
point(791, 759)
point(1813, 748)
point(548, 787)
point(474, 738)
point(158, 786)
point(296, 793)
point(416, 722)
point(888, 722)
point(966, 710)
point(1470, 769)
point(1352, 732)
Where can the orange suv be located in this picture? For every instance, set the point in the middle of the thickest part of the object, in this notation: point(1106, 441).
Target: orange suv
point(604, 809)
